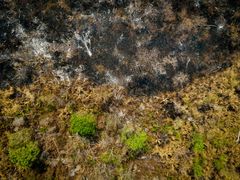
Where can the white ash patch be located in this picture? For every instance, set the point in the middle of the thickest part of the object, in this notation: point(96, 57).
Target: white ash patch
point(40, 47)
point(111, 78)
point(20, 32)
point(68, 47)
point(74, 171)
point(151, 61)
point(61, 75)
point(134, 16)
point(38, 44)
point(121, 114)
point(64, 74)
point(180, 79)
point(117, 54)
point(170, 60)
point(85, 39)
point(159, 66)
point(34, 43)
point(128, 79)
point(117, 80)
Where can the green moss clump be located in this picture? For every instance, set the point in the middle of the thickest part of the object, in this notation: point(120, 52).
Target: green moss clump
point(221, 162)
point(25, 155)
point(198, 143)
point(83, 124)
point(198, 167)
point(136, 142)
point(22, 150)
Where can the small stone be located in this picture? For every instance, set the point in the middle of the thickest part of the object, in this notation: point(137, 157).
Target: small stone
point(18, 122)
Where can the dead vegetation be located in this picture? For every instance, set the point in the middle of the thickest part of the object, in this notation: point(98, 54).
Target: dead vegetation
point(46, 109)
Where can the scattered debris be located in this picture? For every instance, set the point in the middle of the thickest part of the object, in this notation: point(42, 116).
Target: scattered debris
point(85, 39)
point(238, 137)
point(172, 109)
point(18, 122)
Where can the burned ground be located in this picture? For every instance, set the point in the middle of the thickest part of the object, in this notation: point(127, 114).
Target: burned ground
point(143, 46)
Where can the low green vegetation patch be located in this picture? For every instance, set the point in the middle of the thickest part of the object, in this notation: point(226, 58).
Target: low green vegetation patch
point(83, 124)
point(22, 150)
point(198, 167)
point(198, 143)
point(221, 162)
point(198, 149)
point(135, 141)
point(219, 142)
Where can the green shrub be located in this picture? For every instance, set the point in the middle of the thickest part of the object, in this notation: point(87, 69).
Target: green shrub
point(83, 124)
point(135, 141)
point(198, 143)
point(221, 162)
point(22, 150)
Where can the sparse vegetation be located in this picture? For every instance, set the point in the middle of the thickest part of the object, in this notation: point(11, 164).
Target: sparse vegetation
point(167, 129)
point(22, 150)
point(109, 158)
point(221, 162)
point(219, 142)
point(198, 167)
point(47, 103)
point(83, 124)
